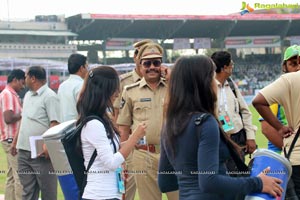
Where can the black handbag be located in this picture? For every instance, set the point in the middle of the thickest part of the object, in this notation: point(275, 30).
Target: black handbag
point(239, 138)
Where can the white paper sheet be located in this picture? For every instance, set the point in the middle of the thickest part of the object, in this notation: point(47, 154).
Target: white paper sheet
point(36, 145)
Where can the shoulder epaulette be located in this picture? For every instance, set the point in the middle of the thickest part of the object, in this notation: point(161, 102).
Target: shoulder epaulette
point(133, 85)
point(125, 76)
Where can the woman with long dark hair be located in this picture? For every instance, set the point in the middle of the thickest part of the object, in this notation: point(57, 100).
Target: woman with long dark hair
point(100, 88)
point(194, 148)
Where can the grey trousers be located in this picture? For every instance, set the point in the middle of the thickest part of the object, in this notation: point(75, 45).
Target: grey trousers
point(36, 175)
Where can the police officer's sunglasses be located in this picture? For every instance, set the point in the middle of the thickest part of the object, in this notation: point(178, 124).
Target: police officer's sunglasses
point(148, 63)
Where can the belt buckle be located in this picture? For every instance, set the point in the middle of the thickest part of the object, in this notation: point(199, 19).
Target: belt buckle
point(142, 147)
point(151, 148)
point(9, 140)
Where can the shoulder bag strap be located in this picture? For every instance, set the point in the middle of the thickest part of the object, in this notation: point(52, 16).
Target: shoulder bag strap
point(92, 160)
point(237, 160)
point(287, 155)
point(231, 85)
point(87, 119)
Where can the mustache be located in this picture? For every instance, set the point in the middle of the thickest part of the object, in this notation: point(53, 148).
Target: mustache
point(152, 70)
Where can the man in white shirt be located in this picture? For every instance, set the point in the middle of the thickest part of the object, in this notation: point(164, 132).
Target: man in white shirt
point(233, 111)
point(69, 90)
point(40, 112)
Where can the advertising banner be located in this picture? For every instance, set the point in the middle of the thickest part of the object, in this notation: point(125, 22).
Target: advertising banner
point(252, 42)
point(54, 82)
point(3, 82)
point(202, 43)
point(120, 44)
point(181, 43)
point(295, 40)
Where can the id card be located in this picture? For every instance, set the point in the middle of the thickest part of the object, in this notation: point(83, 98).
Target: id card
point(226, 122)
point(120, 181)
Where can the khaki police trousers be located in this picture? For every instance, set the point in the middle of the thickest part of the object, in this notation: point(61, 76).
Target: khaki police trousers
point(145, 167)
point(130, 181)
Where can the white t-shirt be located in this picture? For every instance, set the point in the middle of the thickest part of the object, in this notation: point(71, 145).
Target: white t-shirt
point(102, 178)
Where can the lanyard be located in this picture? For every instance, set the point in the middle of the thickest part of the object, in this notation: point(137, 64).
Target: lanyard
point(223, 100)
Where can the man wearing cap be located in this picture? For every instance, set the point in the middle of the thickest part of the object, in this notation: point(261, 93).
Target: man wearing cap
point(127, 79)
point(130, 77)
point(284, 91)
point(289, 64)
point(143, 102)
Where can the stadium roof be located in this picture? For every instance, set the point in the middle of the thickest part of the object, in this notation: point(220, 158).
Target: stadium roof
point(38, 33)
point(106, 26)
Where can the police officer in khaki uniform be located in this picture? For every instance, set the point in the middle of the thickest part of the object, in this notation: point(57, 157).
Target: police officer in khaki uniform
point(143, 101)
point(130, 77)
point(127, 79)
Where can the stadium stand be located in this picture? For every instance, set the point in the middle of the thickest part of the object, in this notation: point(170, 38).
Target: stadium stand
point(55, 38)
point(46, 38)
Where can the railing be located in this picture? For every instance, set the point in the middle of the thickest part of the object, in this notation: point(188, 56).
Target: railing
point(60, 51)
point(13, 46)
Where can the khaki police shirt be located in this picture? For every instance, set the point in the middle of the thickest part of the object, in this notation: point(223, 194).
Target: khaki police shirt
point(285, 91)
point(234, 106)
point(126, 79)
point(140, 103)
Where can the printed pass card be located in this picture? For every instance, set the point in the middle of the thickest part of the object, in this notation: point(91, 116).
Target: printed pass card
point(120, 180)
point(226, 123)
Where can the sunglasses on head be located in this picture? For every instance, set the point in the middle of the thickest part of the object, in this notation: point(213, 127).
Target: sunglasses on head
point(148, 63)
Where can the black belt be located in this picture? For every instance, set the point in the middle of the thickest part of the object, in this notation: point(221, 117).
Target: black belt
point(8, 140)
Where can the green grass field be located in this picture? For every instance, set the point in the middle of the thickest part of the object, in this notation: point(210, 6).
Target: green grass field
point(260, 140)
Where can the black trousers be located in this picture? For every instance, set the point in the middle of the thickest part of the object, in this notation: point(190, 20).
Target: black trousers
point(293, 188)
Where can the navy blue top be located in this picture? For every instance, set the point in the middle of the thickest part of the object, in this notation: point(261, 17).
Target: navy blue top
point(198, 168)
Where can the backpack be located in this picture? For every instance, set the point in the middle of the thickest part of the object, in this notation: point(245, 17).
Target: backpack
point(72, 145)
